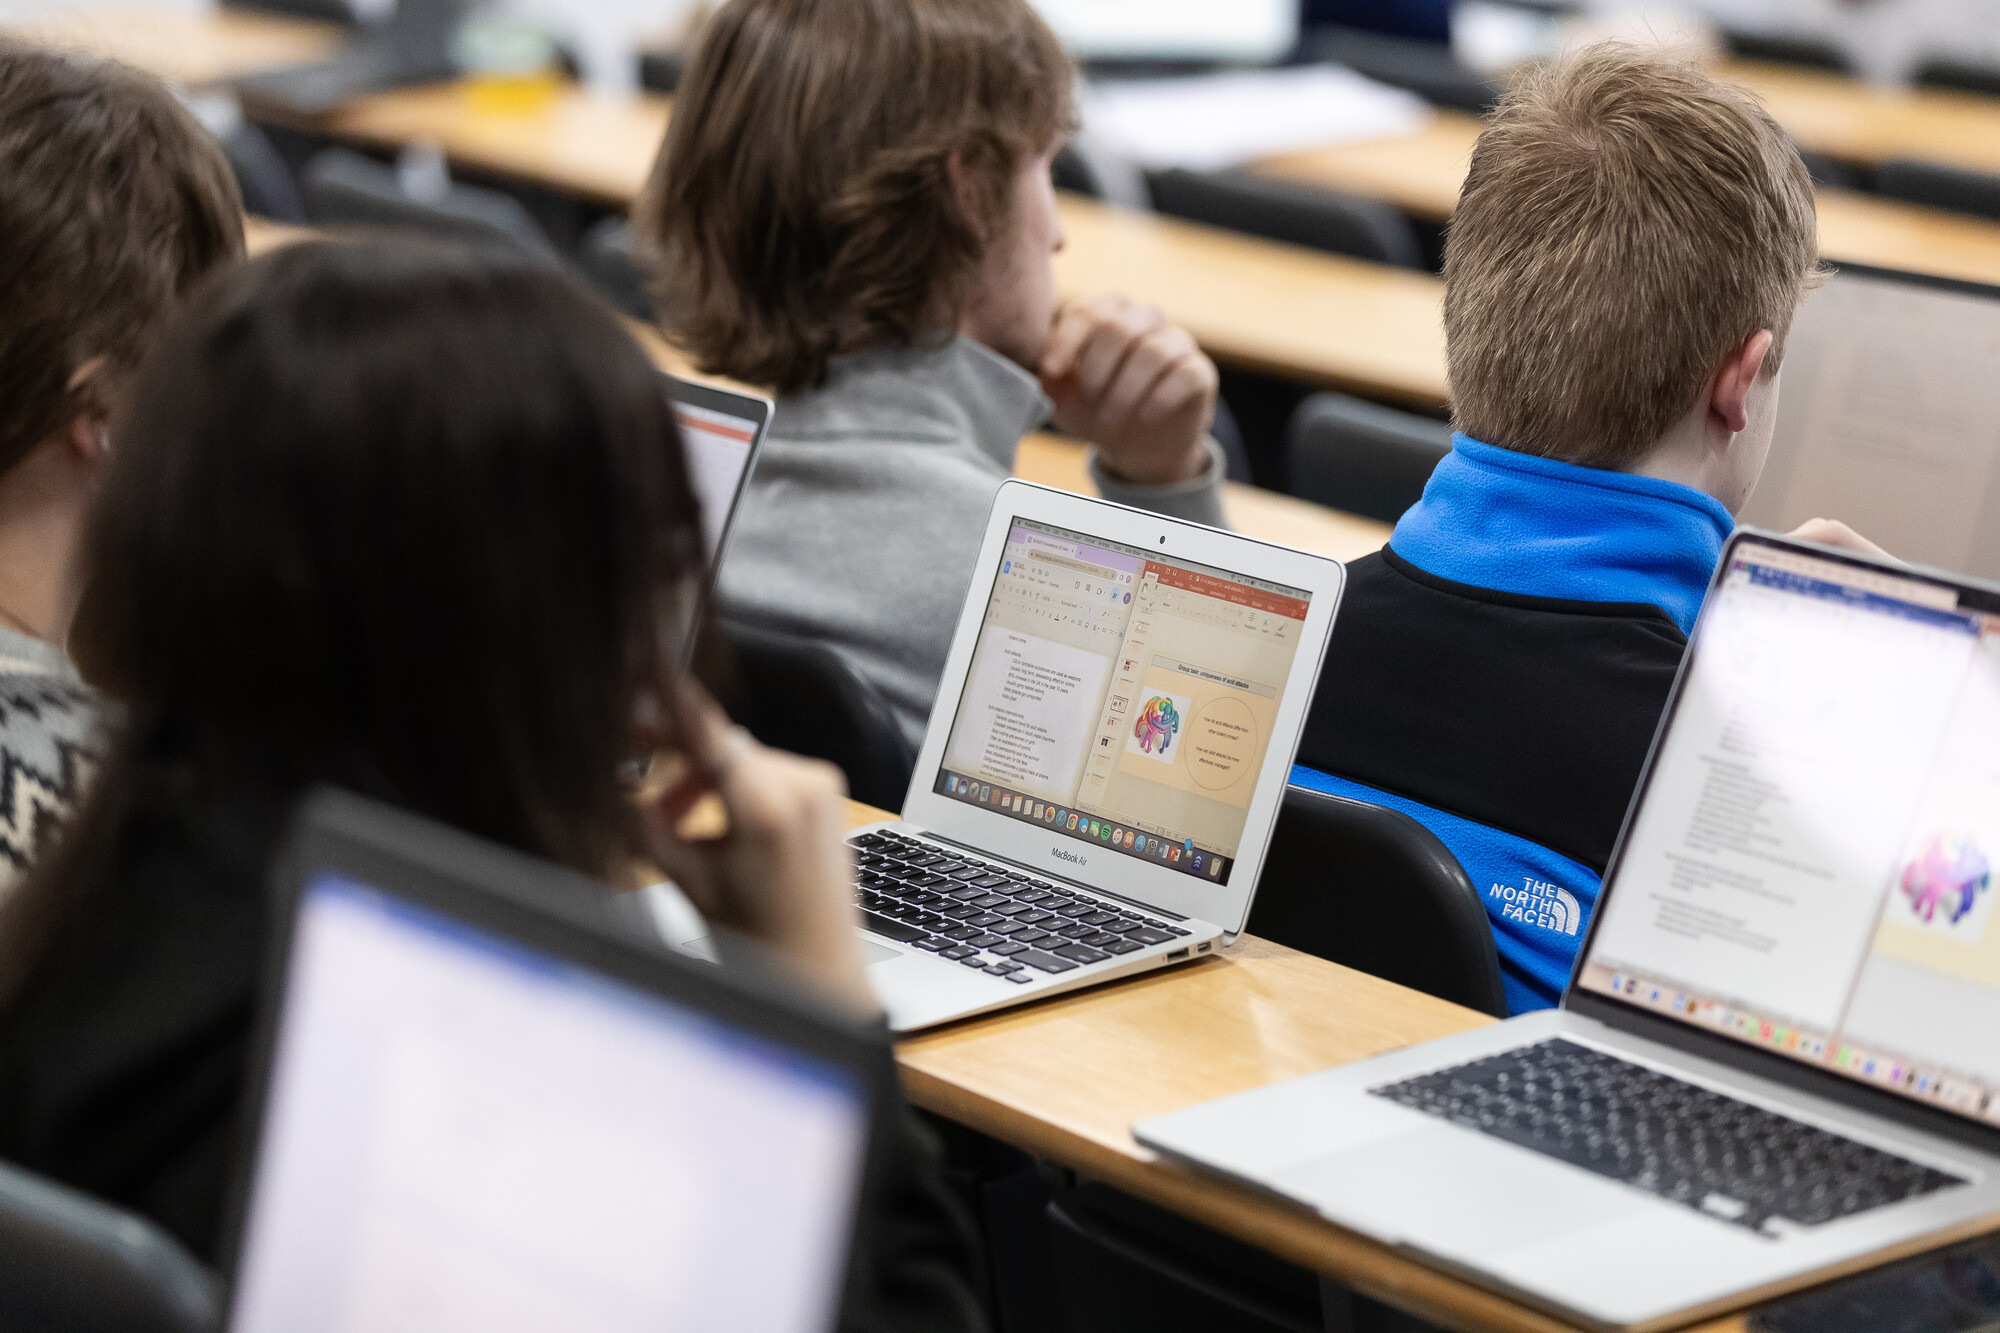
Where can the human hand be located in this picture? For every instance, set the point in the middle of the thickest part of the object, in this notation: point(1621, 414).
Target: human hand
point(782, 871)
point(1832, 532)
point(1134, 385)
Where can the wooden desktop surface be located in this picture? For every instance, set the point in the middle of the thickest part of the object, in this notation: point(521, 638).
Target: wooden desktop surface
point(1066, 1078)
point(196, 50)
point(1421, 173)
point(1847, 119)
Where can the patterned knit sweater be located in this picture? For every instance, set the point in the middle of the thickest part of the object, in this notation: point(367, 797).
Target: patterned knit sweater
point(49, 746)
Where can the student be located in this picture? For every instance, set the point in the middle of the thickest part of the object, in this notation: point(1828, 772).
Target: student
point(1631, 243)
point(853, 207)
point(413, 521)
point(112, 202)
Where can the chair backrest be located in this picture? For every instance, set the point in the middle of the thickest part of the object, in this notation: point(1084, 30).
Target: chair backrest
point(269, 188)
point(800, 695)
point(1788, 49)
point(1935, 186)
point(609, 259)
point(1361, 457)
point(1280, 210)
point(1371, 888)
point(1961, 76)
point(1427, 69)
point(73, 1264)
point(343, 188)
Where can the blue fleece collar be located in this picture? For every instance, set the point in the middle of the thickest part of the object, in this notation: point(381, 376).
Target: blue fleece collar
point(1517, 523)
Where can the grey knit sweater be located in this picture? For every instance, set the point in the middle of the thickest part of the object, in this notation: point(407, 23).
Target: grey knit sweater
point(862, 521)
point(49, 747)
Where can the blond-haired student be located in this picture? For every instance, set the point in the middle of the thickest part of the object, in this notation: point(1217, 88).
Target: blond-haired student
point(853, 207)
point(1630, 246)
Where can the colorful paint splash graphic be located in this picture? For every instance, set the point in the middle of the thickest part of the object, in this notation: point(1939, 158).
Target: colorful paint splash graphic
point(1946, 878)
point(1159, 722)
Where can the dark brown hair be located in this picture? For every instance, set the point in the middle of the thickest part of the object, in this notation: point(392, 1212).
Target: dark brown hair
point(801, 205)
point(1626, 222)
point(405, 518)
point(113, 201)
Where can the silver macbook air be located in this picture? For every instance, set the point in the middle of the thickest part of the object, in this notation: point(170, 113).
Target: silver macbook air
point(1105, 760)
point(1779, 1056)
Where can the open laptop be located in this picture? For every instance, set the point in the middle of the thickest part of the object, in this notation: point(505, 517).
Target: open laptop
point(484, 1106)
point(1890, 418)
point(722, 431)
point(1104, 762)
point(1779, 1055)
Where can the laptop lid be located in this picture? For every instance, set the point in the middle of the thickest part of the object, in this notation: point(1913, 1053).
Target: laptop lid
point(1890, 417)
point(722, 431)
point(1123, 700)
point(1806, 873)
point(483, 1105)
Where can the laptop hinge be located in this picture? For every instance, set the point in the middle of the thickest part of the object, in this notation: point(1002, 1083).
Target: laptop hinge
point(1038, 872)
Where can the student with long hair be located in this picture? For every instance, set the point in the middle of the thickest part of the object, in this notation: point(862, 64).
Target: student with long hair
point(414, 521)
point(114, 202)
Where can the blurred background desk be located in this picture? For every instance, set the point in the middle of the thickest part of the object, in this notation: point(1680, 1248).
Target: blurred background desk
point(196, 50)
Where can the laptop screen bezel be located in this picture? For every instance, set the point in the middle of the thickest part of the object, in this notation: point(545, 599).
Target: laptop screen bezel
point(1034, 847)
point(1629, 1016)
point(552, 911)
point(730, 403)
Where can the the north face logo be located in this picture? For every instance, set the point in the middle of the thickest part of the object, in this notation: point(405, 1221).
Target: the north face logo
point(1538, 903)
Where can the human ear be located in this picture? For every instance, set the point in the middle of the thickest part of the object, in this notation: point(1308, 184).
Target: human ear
point(965, 194)
point(1729, 392)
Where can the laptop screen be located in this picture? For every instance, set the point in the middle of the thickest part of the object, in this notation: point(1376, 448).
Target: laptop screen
point(718, 447)
point(1809, 867)
point(463, 1133)
point(1122, 697)
point(1891, 418)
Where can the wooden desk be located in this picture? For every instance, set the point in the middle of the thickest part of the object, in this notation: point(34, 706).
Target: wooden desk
point(1054, 461)
point(1275, 308)
point(191, 49)
point(1421, 174)
point(1844, 118)
point(1066, 1078)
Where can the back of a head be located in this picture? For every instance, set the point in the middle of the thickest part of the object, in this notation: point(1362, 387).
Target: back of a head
point(1626, 222)
point(405, 517)
point(113, 203)
point(802, 206)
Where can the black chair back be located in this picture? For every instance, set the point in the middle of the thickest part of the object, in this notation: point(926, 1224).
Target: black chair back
point(1281, 210)
point(269, 189)
point(610, 260)
point(343, 188)
point(73, 1264)
point(1372, 889)
point(1361, 457)
point(1934, 185)
point(796, 694)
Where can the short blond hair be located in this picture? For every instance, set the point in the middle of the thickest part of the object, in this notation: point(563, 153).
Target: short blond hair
point(1626, 222)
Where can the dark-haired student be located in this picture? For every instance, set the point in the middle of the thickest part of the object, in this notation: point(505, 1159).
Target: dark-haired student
point(113, 201)
point(413, 521)
point(1628, 251)
point(853, 207)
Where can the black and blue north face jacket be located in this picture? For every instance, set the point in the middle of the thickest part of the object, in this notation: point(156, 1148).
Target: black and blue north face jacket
point(1498, 669)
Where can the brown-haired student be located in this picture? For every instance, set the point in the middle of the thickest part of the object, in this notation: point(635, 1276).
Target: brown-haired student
point(853, 207)
point(113, 201)
point(1632, 240)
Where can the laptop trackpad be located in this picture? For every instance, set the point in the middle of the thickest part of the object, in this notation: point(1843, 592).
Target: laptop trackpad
point(872, 953)
point(1455, 1191)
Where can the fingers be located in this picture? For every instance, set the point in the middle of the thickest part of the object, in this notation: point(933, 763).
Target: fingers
point(1832, 532)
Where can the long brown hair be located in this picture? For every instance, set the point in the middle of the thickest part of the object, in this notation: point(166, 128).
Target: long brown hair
point(406, 518)
point(802, 206)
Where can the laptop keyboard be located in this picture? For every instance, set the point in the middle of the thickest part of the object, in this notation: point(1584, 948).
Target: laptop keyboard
point(1684, 1143)
point(981, 915)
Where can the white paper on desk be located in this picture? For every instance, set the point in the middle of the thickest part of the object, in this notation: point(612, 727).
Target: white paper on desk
point(1219, 120)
